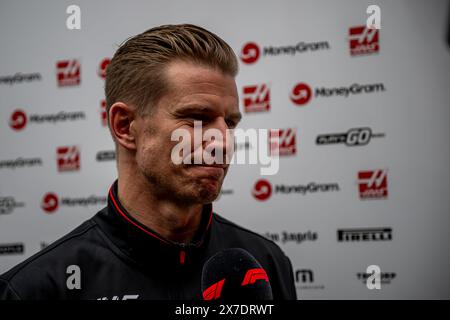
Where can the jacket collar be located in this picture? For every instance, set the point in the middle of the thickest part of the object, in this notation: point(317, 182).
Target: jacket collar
point(144, 244)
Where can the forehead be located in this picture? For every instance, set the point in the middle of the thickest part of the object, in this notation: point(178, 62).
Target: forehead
point(188, 81)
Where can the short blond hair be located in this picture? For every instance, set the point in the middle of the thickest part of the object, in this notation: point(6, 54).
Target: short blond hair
point(135, 74)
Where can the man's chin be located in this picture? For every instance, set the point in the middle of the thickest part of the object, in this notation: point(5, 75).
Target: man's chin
point(208, 193)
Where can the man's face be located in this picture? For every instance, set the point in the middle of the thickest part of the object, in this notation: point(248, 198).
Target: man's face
point(195, 93)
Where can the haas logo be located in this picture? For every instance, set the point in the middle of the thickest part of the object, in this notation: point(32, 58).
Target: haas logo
point(68, 73)
point(282, 142)
point(373, 184)
point(301, 94)
point(262, 190)
point(68, 158)
point(49, 202)
point(363, 40)
point(18, 120)
point(256, 98)
point(250, 53)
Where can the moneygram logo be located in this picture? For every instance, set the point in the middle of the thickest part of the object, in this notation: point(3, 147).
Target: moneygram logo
point(20, 78)
point(8, 204)
point(51, 202)
point(102, 68)
point(373, 184)
point(304, 279)
point(351, 138)
point(301, 94)
point(251, 52)
point(353, 89)
point(68, 158)
point(19, 119)
point(20, 163)
point(263, 189)
point(369, 234)
point(225, 192)
point(363, 40)
point(68, 73)
point(282, 142)
point(256, 98)
point(304, 276)
point(103, 115)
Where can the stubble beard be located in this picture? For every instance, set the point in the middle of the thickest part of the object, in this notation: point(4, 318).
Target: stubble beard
point(192, 193)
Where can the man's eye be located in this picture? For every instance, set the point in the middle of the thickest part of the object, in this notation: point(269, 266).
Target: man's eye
point(198, 117)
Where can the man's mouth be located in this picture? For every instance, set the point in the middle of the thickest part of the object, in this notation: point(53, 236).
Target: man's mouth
point(215, 171)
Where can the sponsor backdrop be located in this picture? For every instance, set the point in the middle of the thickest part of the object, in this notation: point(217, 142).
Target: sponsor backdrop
point(363, 117)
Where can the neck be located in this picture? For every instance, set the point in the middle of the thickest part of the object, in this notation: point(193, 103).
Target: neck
point(172, 221)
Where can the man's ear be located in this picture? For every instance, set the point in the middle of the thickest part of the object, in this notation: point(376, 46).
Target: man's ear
point(121, 118)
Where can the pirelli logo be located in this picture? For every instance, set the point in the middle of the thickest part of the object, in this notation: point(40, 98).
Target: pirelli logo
point(367, 234)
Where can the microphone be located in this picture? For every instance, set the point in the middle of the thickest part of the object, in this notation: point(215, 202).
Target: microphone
point(234, 274)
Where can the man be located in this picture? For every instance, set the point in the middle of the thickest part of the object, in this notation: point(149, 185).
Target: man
point(158, 229)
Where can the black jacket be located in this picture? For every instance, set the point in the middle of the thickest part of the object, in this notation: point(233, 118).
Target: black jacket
point(119, 258)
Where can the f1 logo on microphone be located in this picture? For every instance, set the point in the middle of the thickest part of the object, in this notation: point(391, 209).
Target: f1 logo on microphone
point(49, 202)
point(262, 190)
point(250, 53)
point(301, 94)
point(68, 158)
point(18, 120)
point(214, 291)
point(254, 275)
